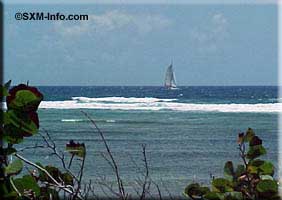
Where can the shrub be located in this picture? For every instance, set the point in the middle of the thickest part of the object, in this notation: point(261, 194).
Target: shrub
point(252, 180)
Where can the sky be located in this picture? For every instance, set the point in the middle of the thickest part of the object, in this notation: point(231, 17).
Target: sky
point(128, 44)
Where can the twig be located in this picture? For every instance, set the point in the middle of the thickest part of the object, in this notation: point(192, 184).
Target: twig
point(14, 187)
point(144, 188)
point(80, 176)
point(120, 184)
point(243, 156)
point(55, 152)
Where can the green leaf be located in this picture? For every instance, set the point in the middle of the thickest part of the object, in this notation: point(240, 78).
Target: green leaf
point(266, 177)
point(12, 135)
point(261, 167)
point(229, 171)
point(27, 182)
point(267, 168)
point(4, 89)
point(14, 168)
point(240, 170)
point(11, 196)
point(67, 178)
point(24, 99)
point(249, 135)
point(195, 191)
point(76, 148)
point(22, 121)
point(255, 151)
point(3, 188)
point(233, 196)
point(222, 185)
point(267, 188)
point(53, 171)
point(3, 92)
point(214, 196)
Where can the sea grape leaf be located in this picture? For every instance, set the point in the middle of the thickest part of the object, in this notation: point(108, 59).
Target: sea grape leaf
point(10, 196)
point(261, 167)
point(3, 188)
point(27, 182)
point(267, 188)
point(4, 89)
point(229, 171)
point(266, 177)
point(267, 168)
point(249, 135)
point(12, 134)
point(27, 124)
point(53, 171)
point(77, 149)
point(233, 196)
point(255, 151)
point(14, 167)
point(24, 98)
point(214, 196)
point(195, 191)
point(67, 178)
point(240, 170)
point(222, 185)
point(3, 92)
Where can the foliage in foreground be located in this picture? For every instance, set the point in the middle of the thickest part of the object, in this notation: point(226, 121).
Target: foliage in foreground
point(18, 122)
point(252, 180)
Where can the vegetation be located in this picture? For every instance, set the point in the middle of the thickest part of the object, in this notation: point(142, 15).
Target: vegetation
point(21, 178)
point(252, 180)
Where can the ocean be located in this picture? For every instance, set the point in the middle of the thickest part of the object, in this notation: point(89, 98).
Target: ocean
point(189, 133)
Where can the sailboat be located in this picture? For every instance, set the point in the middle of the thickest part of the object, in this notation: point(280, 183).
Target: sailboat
point(170, 82)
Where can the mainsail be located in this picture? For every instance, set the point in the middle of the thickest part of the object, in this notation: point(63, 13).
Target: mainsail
point(170, 81)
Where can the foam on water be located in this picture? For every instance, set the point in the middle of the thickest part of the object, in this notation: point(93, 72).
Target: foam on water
point(155, 104)
point(72, 120)
point(121, 99)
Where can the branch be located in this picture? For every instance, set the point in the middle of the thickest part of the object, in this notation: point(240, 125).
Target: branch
point(145, 187)
point(120, 184)
point(59, 185)
point(52, 145)
point(243, 156)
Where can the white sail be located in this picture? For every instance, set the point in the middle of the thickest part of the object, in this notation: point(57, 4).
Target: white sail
point(170, 81)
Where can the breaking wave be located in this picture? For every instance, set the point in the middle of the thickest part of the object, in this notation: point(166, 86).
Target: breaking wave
point(72, 120)
point(155, 104)
point(121, 100)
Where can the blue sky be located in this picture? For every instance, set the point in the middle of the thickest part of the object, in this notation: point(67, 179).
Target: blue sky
point(210, 44)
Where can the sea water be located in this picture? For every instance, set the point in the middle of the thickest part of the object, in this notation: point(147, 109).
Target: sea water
point(189, 133)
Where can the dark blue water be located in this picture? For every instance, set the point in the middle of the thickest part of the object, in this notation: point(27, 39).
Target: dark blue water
point(196, 94)
point(189, 133)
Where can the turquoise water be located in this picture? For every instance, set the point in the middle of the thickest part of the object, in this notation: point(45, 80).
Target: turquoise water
point(189, 133)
